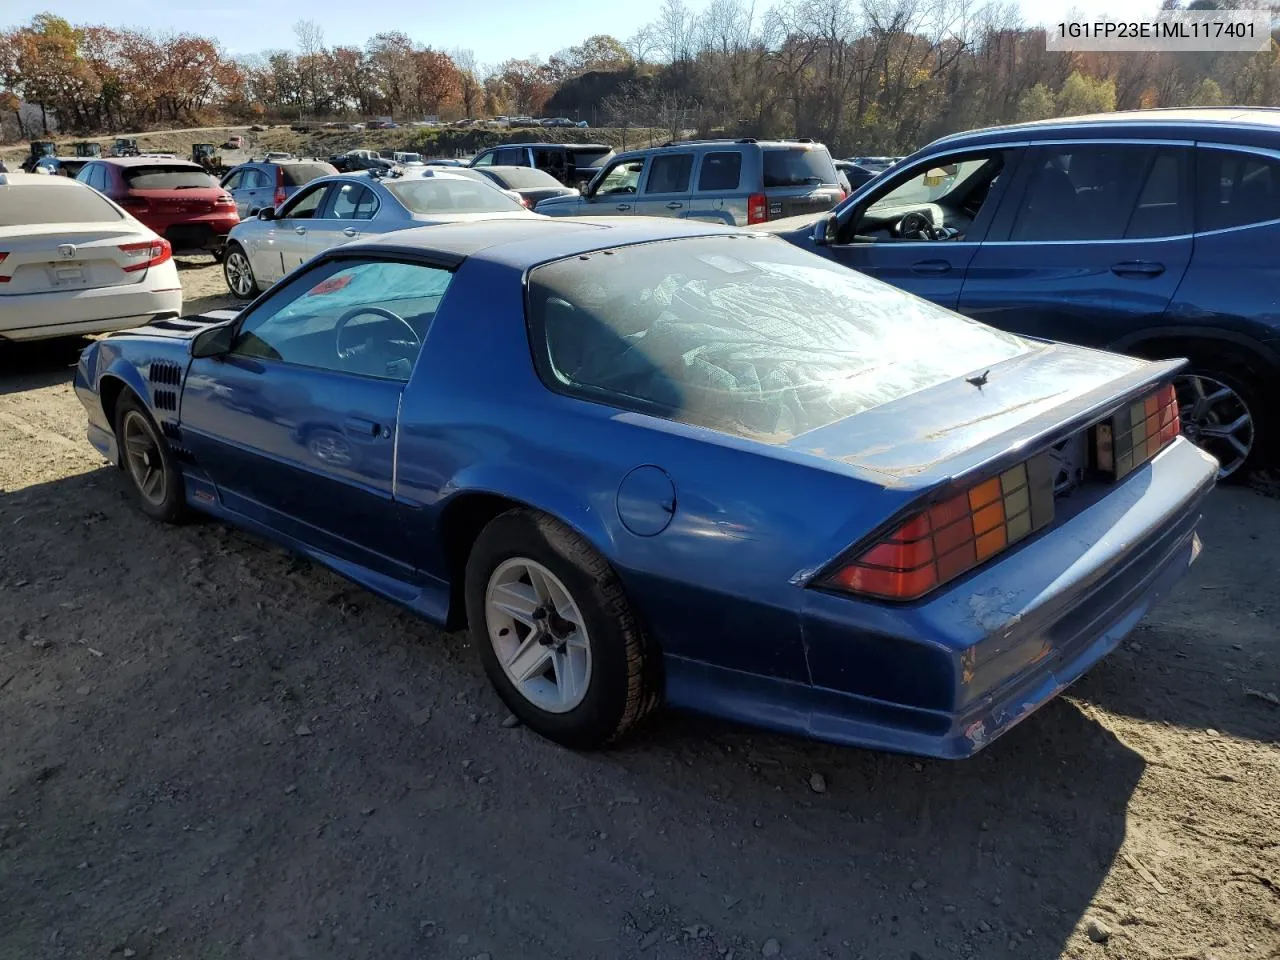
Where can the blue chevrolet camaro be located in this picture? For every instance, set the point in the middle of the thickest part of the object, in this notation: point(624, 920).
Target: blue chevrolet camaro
point(653, 461)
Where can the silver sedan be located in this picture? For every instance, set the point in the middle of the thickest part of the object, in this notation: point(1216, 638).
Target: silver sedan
point(334, 210)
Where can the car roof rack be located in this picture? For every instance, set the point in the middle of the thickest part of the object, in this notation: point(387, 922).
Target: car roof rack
point(697, 140)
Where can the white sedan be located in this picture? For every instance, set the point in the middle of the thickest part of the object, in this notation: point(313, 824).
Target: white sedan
point(73, 263)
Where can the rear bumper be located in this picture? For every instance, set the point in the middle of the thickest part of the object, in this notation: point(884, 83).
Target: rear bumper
point(946, 678)
point(198, 234)
point(40, 316)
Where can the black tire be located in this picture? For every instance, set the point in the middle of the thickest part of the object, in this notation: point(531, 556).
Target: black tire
point(1241, 380)
point(234, 256)
point(625, 684)
point(170, 505)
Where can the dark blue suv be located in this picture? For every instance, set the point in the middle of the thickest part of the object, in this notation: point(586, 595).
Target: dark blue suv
point(1154, 233)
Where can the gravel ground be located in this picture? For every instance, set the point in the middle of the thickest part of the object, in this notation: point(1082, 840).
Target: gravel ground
point(211, 749)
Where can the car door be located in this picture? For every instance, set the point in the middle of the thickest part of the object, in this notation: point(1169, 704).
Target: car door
point(286, 243)
point(613, 194)
point(955, 194)
point(296, 425)
point(259, 191)
point(1093, 246)
point(347, 208)
point(666, 189)
point(717, 195)
point(233, 183)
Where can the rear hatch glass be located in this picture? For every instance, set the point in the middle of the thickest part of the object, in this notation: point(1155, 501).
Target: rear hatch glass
point(798, 167)
point(297, 174)
point(590, 157)
point(520, 178)
point(167, 177)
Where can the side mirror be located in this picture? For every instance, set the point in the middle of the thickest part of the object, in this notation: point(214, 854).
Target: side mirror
point(826, 230)
point(215, 342)
point(266, 213)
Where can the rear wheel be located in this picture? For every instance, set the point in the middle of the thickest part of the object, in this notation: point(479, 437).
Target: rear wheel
point(1222, 413)
point(148, 462)
point(238, 273)
point(556, 634)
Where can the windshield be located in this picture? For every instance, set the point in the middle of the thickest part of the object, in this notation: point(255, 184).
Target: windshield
point(438, 196)
point(167, 177)
point(22, 205)
point(750, 336)
point(798, 167)
point(931, 185)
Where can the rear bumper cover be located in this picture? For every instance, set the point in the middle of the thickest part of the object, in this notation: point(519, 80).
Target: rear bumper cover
point(41, 316)
point(1007, 658)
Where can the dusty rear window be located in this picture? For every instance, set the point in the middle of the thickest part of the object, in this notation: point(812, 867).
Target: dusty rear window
point(298, 174)
point(22, 205)
point(750, 336)
point(167, 177)
point(798, 167)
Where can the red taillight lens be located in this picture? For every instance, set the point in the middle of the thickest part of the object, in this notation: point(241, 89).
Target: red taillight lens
point(279, 198)
point(226, 200)
point(1137, 433)
point(148, 253)
point(4, 277)
point(952, 537)
point(757, 208)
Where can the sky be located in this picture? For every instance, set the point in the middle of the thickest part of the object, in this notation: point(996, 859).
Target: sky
point(496, 30)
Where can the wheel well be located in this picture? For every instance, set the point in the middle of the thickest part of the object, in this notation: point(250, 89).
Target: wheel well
point(109, 390)
point(460, 525)
point(1199, 350)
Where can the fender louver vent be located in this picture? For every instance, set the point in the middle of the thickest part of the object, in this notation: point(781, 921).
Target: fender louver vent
point(162, 372)
point(164, 400)
point(173, 433)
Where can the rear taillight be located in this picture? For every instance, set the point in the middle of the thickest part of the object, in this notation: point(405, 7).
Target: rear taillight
point(4, 277)
point(1137, 433)
point(757, 208)
point(950, 538)
point(226, 200)
point(148, 253)
point(279, 198)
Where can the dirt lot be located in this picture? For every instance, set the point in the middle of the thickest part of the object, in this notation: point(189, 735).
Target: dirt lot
point(209, 749)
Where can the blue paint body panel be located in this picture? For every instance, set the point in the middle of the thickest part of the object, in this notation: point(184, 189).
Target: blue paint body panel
point(717, 539)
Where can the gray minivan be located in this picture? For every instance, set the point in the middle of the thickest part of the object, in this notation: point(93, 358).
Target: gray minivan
point(725, 181)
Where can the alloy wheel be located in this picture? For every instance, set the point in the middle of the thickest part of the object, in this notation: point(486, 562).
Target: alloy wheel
point(142, 455)
point(239, 274)
point(538, 634)
point(1216, 418)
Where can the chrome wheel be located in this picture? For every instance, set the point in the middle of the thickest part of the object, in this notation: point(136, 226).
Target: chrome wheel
point(1215, 418)
point(142, 456)
point(239, 274)
point(538, 634)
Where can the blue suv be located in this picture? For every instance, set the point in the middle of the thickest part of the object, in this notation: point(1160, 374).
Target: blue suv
point(1153, 233)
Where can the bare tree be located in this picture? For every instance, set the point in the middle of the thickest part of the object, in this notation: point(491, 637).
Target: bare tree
point(472, 85)
point(310, 38)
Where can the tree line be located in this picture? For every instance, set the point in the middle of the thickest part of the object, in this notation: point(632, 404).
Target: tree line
point(877, 76)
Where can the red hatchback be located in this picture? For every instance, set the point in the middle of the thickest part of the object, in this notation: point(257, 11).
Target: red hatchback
point(175, 198)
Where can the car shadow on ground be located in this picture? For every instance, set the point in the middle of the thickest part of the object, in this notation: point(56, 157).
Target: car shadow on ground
point(41, 363)
point(214, 746)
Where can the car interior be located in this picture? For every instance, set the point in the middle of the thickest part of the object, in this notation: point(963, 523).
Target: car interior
point(940, 203)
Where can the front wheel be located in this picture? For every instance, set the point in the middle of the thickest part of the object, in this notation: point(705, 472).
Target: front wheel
point(148, 462)
point(238, 273)
point(555, 632)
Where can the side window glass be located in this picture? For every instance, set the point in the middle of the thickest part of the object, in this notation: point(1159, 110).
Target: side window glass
point(367, 318)
point(1235, 189)
point(621, 178)
point(1164, 205)
point(1082, 193)
point(86, 175)
point(233, 182)
point(257, 180)
point(304, 205)
point(352, 201)
point(484, 160)
point(669, 173)
point(950, 192)
point(720, 171)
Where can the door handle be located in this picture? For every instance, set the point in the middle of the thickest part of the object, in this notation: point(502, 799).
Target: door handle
point(674, 205)
point(931, 266)
point(623, 206)
point(1137, 268)
point(300, 231)
point(350, 232)
point(360, 426)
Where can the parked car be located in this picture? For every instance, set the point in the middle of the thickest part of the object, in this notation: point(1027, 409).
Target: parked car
point(725, 181)
point(61, 166)
point(338, 209)
point(600, 461)
point(175, 198)
point(269, 183)
point(1147, 233)
point(443, 162)
point(359, 160)
point(530, 185)
point(573, 164)
point(854, 174)
point(74, 263)
point(277, 155)
point(476, 175)
point(876, 165)
point(234, 142)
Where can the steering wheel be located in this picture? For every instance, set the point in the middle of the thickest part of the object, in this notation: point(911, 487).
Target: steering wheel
point(351, 314)
point(917, 225)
